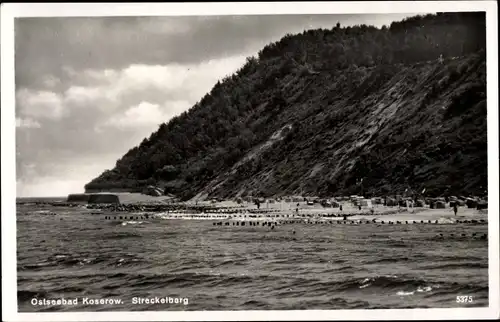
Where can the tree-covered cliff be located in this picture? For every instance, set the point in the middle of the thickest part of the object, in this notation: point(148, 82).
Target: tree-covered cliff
point(329, 112)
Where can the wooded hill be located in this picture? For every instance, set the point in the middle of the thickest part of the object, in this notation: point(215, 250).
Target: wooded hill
point(332, 112)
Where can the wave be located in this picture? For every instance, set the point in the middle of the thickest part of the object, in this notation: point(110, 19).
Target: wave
point(455, 287)
point(385, 282)
point(231, 262)
point(455, 258)
point(122, 235)
point(62, 260)
point(330, 303)
point(339, 302)
point(255, 304)
point(127, 262)
point(418, 290)
point(190, 279)
point(25, 295)
point(171, 280)
point(260, 238)
point(68, 289)
point(35, 267)
point(396, 243)
point(38, 212)
point(456, 265)
point(409, 287)
point(388, 260)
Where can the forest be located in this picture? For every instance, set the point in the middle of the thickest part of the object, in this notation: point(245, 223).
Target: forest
point(355, 109)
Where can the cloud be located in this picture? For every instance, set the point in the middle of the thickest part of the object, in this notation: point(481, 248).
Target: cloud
point(101, 114)
point(148, 115)
point(39, 104)
point(144, 114)
point(27, 123)
point(49, 187)
point(50, 82)
point(84, 95)
point(47, 46)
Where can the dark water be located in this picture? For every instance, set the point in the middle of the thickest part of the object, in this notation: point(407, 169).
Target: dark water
point(74, 255)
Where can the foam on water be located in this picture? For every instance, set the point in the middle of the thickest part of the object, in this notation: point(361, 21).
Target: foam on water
point(403, 293)
point(132, 223)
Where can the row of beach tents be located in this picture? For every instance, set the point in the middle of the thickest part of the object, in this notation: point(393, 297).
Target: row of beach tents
point(433, 203)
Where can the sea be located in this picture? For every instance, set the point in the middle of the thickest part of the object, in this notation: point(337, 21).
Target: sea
point(186, 265)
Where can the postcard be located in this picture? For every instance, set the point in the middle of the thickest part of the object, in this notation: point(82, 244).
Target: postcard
point(250, 161)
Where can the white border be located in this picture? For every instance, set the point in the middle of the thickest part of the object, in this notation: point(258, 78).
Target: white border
point(9, 288)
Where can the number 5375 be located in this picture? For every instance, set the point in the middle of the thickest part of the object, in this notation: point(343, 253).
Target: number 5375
point(464, 299)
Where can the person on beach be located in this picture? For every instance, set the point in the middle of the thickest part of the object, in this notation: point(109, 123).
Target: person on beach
point(340, 207)
point(455, 208)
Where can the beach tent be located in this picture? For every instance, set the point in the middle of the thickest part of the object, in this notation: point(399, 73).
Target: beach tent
point(419, 203)
point(152, 191)
point(78, 197)
point(458, 202)
point(106, 198)
point(440, 205)
point(471, 203)
point(365, 203)
point(390, 202)
point(482, 205)
point(326, 203)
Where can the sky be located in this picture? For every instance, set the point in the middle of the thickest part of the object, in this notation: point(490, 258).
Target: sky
point(88, 89)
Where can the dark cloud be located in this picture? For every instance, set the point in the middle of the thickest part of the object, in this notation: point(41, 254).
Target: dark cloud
point(45, 45)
